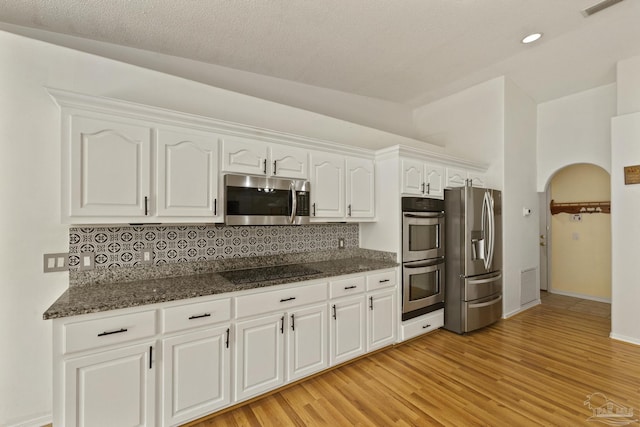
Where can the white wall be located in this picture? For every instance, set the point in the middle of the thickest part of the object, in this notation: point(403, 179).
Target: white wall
point(625, 205)
point(469, 125)
point(372, 112)
point(520, 233)
point(628, 78)
point(30, 186)
point(575, 129)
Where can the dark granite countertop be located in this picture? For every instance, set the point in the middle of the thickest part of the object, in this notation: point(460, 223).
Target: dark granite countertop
point(93, 298)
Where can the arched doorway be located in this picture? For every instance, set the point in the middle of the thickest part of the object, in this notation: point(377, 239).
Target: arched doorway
point(578, 245)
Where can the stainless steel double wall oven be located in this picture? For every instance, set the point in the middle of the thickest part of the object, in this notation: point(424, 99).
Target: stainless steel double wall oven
point(423, 256)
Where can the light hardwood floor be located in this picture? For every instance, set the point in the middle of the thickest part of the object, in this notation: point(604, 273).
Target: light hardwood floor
point(536, 368)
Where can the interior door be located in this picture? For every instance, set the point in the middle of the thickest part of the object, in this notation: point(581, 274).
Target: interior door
point(544, 240)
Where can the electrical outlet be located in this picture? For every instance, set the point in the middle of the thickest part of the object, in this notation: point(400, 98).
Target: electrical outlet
point(87, 261)
point(341, 243)
point(147, 256)
point(56, 262)
point(576, 217)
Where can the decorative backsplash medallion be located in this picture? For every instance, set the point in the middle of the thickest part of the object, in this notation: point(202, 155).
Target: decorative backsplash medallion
point(122, 246)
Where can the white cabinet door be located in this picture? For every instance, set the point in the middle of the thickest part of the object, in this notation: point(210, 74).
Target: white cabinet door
point(109, 168)
point(413, 179)
point(111, 388)
point(456, 177)
point(347, 329)
point(197, 374)
point(327, 185)
point(259, 355)
point(478, 180)
point(187, 171)
point(289, 162)
point(307, 344)
point(381, 319)
point(434, 179)
point(243, 155)
point(360, 188)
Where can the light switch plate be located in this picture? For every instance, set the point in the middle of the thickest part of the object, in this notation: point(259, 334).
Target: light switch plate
point(56, 262)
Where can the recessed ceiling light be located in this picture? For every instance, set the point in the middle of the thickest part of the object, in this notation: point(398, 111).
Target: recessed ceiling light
point(531, 38)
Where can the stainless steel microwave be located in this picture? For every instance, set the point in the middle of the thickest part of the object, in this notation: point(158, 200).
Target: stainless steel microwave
point(251, 200)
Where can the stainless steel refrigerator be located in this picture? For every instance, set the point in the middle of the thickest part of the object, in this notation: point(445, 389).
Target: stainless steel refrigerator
point(473, 238)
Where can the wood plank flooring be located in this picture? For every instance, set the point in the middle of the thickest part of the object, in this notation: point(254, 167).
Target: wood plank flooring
point(536, 368)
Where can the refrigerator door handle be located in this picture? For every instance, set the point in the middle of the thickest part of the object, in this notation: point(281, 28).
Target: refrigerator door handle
point(486, 229)
point(485, 304)
point(488, 280)
point(492, 229)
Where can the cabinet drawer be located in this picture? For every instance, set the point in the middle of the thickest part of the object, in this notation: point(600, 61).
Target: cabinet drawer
point(194, 315)
point(421, 325)
point(386, 279)
point(343, 287)
point(108, 331)
point(265, 302)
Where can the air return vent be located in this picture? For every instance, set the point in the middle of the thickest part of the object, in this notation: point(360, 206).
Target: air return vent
point(599, 7)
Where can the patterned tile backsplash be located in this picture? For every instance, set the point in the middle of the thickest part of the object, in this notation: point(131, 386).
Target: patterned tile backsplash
point(122, 246)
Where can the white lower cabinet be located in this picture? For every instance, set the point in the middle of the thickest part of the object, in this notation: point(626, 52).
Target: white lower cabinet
point(381, 319)
point(347, 329)
point(176, 362)
point(110, 388)
point(196, 374)
point(259, 355)
point(261, 359)
point(307, 342)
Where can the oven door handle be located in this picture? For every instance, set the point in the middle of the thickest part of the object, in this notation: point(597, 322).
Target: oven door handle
point(420, 264)
point(425, 215)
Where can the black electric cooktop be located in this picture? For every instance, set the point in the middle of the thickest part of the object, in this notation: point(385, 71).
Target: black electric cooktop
point(265, 274)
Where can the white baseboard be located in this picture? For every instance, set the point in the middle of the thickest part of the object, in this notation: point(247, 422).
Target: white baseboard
point(38, 421)
point(629, 340)
point(577, 295)
point(525, 307)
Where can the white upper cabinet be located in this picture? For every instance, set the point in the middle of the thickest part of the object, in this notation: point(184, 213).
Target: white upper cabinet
point(412, 177)
point(422, 179)
point(327, 185)
point(108, 168)
point(289, 162)
point(477, 179)
point(187, 174)
point(360, 188)
point(342, 188)
point(242, 155)
point(253, 157)
point(461, 177)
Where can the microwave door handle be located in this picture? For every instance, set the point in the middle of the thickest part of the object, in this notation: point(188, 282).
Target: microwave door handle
point(294, 204)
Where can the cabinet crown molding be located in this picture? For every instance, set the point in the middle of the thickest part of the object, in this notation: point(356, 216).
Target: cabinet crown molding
point(430, 156)
point(69, 100)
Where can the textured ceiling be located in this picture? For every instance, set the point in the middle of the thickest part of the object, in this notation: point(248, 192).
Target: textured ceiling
point(404, 51)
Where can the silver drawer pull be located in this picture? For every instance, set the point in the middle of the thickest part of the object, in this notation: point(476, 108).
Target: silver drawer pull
point(119, 331)
point(200, 316)
point(287, 299)
point(350, 287)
